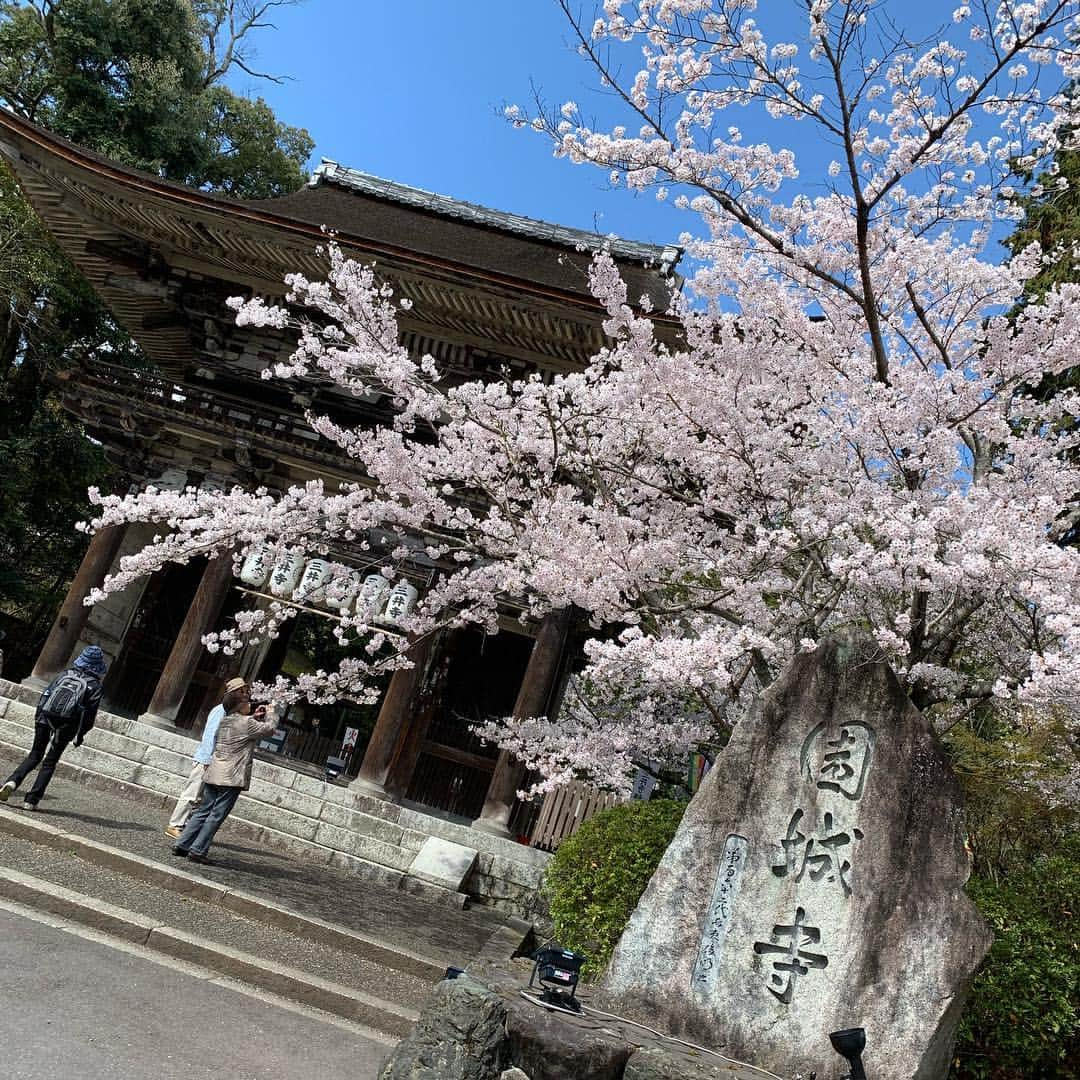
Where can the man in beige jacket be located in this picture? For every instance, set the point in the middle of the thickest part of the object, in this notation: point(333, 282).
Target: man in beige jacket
point(191, 796)
point(228, 773)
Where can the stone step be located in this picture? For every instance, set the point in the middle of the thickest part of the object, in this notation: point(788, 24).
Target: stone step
point(53, 847)
point(311, 830)
point(497, 851)
point(110, 731)
point(89, 757)
point(375, 860)
point(344, 826)
point(115, 742)
point(266, 802)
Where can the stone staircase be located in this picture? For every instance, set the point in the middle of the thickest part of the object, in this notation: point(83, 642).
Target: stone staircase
point(289, 811)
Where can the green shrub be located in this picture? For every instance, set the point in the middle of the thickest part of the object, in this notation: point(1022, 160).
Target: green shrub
point(595, 879)
point(1021, 1020)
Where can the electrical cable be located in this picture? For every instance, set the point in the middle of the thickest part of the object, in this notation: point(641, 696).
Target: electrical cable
point(652, 1031)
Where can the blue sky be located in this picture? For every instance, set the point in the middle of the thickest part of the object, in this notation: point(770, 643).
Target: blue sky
point(413, 90)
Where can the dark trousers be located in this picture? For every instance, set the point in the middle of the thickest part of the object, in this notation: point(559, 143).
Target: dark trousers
point(50, 741)
point(207, 818)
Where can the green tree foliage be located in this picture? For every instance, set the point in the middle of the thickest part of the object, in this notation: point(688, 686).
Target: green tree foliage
point(49, 317)
point(1052, 220)
point(49, 464)
point(115, 77)
point(1018, 774)
point(247, 152)
point(140, 82)
point(597, 876)
point(1021, 1020)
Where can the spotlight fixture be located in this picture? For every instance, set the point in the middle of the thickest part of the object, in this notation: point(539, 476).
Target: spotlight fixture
point(556, 970)
point(850, 1044)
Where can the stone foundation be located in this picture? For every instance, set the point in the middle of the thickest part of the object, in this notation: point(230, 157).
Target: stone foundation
point(480, 1027)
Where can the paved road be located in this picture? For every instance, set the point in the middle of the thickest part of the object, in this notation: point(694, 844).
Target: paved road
point(72, 1007)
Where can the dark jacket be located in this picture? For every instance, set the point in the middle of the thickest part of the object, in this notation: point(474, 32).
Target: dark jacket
point(88, 704)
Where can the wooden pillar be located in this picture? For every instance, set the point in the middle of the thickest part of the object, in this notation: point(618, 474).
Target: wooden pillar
point(184, 657)
point(534, 697)
point(394, 717)
point(426, 701)
point(59, 646)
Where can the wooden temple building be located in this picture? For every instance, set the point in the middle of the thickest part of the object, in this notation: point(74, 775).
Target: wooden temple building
point(490, 292)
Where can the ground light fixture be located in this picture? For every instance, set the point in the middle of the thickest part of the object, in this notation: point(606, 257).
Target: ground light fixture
point(850, 1044)
point(556, 970)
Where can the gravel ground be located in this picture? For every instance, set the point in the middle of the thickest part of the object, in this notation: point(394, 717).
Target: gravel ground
point(445, 934)
point(210, 921)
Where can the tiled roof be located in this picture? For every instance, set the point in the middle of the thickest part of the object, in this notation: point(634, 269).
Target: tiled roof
point(331, 172)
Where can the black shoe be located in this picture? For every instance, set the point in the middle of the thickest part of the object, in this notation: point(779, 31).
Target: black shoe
point(180, 852)
point(194, 856)
point(29, 805)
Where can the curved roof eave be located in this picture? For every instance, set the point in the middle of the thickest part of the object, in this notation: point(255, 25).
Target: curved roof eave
point(17, 136)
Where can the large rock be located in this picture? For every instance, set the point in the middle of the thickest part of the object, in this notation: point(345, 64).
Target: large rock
point(664, 1063)
point(461, 1035)
point(815, 883)
point(553, 1046)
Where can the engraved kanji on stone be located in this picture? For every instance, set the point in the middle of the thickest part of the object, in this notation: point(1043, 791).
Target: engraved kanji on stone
point(728, 876)
point(796, 960)
point(819, 853)
point(840, 763)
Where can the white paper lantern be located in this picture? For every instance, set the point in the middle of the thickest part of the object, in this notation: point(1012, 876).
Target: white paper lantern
point(343, 588)
point(312, 587)
point(256, 568)
point(371, 594)
point(399, 604)
point(286, 574)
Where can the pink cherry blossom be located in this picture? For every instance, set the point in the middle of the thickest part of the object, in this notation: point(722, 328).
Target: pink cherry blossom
point(842, 434)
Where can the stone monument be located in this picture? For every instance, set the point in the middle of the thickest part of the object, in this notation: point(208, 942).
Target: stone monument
point(815, 884)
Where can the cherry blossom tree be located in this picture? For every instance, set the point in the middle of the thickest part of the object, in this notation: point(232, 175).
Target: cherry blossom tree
point(840, 433)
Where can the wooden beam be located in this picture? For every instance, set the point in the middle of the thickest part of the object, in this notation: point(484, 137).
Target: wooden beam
point(119, 254)
point(460, 757)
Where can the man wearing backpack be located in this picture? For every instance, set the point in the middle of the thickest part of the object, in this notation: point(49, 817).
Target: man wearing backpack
point(66, 710)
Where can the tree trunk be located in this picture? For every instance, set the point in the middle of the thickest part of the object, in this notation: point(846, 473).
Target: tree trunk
point(10, 335)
